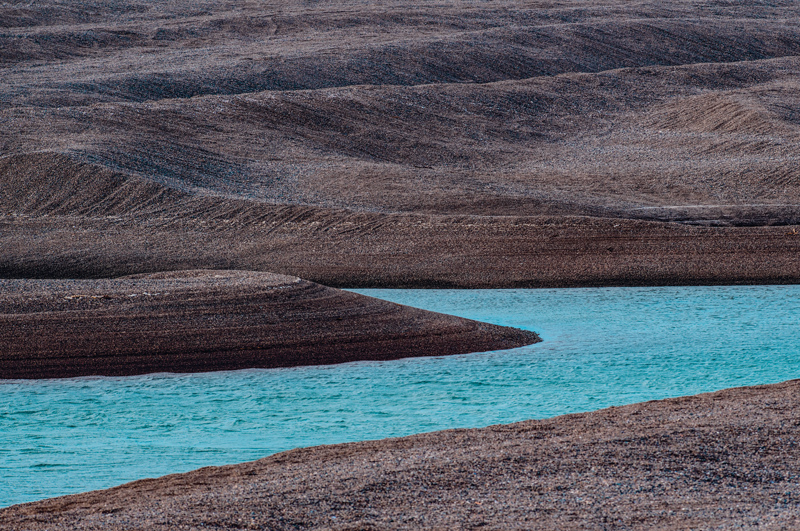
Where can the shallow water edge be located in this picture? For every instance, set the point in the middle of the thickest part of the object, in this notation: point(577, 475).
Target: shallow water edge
point(603, 347)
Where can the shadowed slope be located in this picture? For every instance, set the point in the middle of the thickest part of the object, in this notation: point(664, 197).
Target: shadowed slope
point(696, 143)
point(149, 51)
point(496, 115)
point(340, 248)
point(53, 184)
point(194, 321)
point(719, 460)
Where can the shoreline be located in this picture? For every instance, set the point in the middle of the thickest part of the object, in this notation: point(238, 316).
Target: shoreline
point(210, 320)
point(148, 147)
point(720, 458)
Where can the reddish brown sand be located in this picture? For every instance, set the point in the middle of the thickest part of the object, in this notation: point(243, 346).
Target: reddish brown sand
point(714, 461)
point(193, 321)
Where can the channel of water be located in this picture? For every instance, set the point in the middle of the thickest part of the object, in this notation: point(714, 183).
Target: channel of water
point(602, 347)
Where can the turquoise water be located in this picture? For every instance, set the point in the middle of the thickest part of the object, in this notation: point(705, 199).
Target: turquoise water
point(602, 347)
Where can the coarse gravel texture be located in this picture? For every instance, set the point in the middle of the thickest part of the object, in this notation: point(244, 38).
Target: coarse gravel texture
point(396, 143)
point(713, 461)
point(195, 321)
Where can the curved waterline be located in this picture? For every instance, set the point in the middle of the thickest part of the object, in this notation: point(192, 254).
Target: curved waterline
point(602, 347)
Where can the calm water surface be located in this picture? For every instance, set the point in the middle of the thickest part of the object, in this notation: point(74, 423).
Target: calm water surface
point(602, 347)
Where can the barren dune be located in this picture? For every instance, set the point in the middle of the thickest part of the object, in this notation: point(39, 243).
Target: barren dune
point(397, 143)
point(402, 144)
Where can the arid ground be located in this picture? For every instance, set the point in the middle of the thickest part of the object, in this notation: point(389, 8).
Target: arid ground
point(195, 321)
point(400, 143)
point(725, 460)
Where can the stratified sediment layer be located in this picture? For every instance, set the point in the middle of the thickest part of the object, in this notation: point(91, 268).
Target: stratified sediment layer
point(345, 249)
point(720, 460)
point(193, 321)
point(403, 143)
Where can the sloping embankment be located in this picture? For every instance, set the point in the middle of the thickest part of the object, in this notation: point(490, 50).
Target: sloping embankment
point(719, 460)
point(193, 321)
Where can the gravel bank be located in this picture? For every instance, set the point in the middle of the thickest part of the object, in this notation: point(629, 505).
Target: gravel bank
point(712, 461)
point(194, 321)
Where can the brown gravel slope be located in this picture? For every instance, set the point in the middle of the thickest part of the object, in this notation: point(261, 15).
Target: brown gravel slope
point(340, 248)
point(190, 114)
point(714, 461)
point(193, 321)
